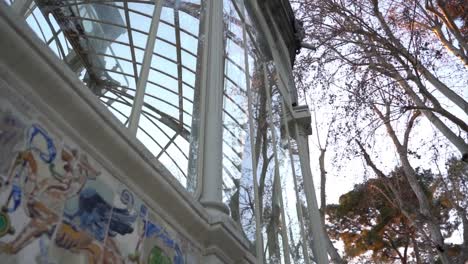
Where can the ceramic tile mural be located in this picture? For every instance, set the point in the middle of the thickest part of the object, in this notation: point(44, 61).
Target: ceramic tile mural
point(160, 247)
point(126, 231)
point(58, 205)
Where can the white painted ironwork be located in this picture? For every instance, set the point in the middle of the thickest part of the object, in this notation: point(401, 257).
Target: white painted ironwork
point(211, 103)
point(300, 215)
point(140, 92)
point(145, 68)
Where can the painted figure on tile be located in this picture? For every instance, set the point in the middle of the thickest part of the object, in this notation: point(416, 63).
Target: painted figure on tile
point(160, 246)
point(157, 256)
point(54, 199)
point(22, 174)
point(24, 168)
point(133, 213)
point(44, 183)
point(94, 220)
point(141, 224)
point(12, 131)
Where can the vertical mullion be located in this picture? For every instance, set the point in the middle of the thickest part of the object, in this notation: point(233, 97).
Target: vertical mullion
point(179, 59)
point(284, 232)
point(319, 245)
point(145, 68)
point(299, 212)
point(258, 224)
point(211, 97)
point(131, 46)
point(193, 179)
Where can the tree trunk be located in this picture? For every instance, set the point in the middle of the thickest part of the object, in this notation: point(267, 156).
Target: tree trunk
point(424, 204)
point(416, 249)
point(332, 251)
point(390, 71)
point(273, 229)
point(323, 182)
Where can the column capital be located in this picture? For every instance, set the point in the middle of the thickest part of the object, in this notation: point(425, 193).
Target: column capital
point(298, 117)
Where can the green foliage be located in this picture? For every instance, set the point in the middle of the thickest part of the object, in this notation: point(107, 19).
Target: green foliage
point(366, 219)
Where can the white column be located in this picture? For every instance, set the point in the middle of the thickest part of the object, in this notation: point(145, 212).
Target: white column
point(211, 109)
point(319, 246)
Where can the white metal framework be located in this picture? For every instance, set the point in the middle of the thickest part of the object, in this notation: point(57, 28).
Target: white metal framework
point(207, 87)
point(138, 57)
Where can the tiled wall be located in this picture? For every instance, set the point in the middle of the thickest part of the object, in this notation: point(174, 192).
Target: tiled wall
point(58, 205)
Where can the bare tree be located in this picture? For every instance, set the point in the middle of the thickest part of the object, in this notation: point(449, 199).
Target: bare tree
point(360, 36)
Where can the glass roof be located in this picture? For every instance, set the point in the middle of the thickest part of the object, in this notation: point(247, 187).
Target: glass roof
point(153, 91)
point(104, 43)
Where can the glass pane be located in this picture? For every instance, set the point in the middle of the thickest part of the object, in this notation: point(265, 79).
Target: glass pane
point(104, 43)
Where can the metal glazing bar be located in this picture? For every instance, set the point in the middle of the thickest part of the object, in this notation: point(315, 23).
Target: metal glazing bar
point(119, 95)
point(147, 114)
point(319, 246)
point(94, 16)
point(300, 215)
point(226, 128)
point(248, 28)
point(233, 118)
point(54, 36)
point(130, 41)
point(257, 213)
point(115, 109)
point(244, 111)
point(140, 48)
point(145, 68)
point(95, 20)
point(233, 149)
point(129, 60)
point(228, 172)
point(235, 84)
point(179, 58)
point(167, 145)
point(169, 90)
point(39, 26)
point(168, 103)
point(237, 166)
point(188, 8)
point(277, 184)
point(165, 118)
point(170, 157)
